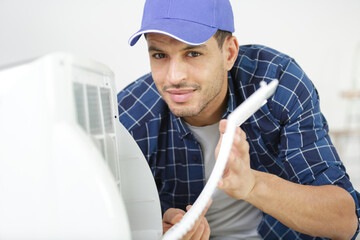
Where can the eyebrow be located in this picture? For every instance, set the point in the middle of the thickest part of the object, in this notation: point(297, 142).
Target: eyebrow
point(187, 48)
point(154, 49)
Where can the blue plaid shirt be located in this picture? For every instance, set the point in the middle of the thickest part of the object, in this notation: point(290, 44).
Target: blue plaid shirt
point(288, 136)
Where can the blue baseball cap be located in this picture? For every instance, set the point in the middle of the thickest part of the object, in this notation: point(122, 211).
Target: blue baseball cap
point(190, 21)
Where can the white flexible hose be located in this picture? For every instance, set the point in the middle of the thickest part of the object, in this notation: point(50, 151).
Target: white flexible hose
point(235, 119)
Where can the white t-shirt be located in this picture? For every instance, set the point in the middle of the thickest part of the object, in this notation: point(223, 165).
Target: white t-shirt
point(228, 218)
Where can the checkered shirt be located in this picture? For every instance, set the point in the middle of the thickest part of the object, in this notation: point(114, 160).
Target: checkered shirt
point(288, 136)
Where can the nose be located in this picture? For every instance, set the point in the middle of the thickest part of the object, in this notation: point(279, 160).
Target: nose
point(176, 71)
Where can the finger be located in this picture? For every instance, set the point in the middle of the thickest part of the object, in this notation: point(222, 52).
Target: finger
point(206, 232)
point(199, 230)
point(234, 163)
point(192, 231)
point(199, 227)
point(220, 184)
point(207, 207)
point(240, 147)
point(188, 207)
point(172, 215)
point(234, 151)
point(228, 166)
point(227, 184)
point(217, 149)
point(230, 170)
point(238, 136)
point(222, 126)
point(241, 140)
point(226, 172)
point(168, 225)
point(177, 218)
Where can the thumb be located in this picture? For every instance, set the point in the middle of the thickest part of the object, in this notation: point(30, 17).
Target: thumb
point(222, 126)
point(176, 218)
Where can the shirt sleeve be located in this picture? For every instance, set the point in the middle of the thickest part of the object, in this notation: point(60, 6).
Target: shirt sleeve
point(306, 150)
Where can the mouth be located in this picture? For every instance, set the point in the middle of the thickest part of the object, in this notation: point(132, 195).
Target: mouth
point(180, 95)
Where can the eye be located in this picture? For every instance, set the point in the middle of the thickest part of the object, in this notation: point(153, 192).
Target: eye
point(193, 54)
point(159, 55)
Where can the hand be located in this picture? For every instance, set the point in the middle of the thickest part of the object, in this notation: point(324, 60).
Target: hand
point(238, 178)
point(200, 230)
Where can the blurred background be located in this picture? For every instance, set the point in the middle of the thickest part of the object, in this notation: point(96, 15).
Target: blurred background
point(323, 36)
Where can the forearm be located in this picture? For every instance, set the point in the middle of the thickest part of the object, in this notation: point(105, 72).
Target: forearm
point(326, 211)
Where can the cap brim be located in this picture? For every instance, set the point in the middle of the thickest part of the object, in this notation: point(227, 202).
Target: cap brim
point(187, 32)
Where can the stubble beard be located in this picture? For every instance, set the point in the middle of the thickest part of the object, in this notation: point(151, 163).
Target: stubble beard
point(184, 111)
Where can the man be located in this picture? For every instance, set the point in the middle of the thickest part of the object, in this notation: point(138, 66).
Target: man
point(283, 179)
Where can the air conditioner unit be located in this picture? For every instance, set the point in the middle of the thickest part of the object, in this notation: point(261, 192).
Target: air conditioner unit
point(68, 168)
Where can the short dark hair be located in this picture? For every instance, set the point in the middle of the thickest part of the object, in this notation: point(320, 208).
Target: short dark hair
point(220, 37)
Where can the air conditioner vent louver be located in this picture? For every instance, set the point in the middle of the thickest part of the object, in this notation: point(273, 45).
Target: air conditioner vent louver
point(107, 111)
point(96, 116)
point(80, 104)
point(94, 110)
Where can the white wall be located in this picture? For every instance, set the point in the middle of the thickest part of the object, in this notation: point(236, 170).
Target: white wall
point(321, 35)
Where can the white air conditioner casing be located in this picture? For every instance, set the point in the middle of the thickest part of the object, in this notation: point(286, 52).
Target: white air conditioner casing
point(68, 168)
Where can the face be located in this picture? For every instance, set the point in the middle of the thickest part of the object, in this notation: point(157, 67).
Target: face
point(191, 79)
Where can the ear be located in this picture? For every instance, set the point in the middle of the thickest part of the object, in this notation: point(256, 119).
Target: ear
point(230, 50)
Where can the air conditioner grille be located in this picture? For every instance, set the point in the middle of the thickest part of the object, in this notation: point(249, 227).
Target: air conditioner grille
point(94, 110)
point(95, 114)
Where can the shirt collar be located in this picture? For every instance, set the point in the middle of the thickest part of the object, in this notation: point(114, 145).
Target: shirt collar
point(183, 130)
point(231, 98)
